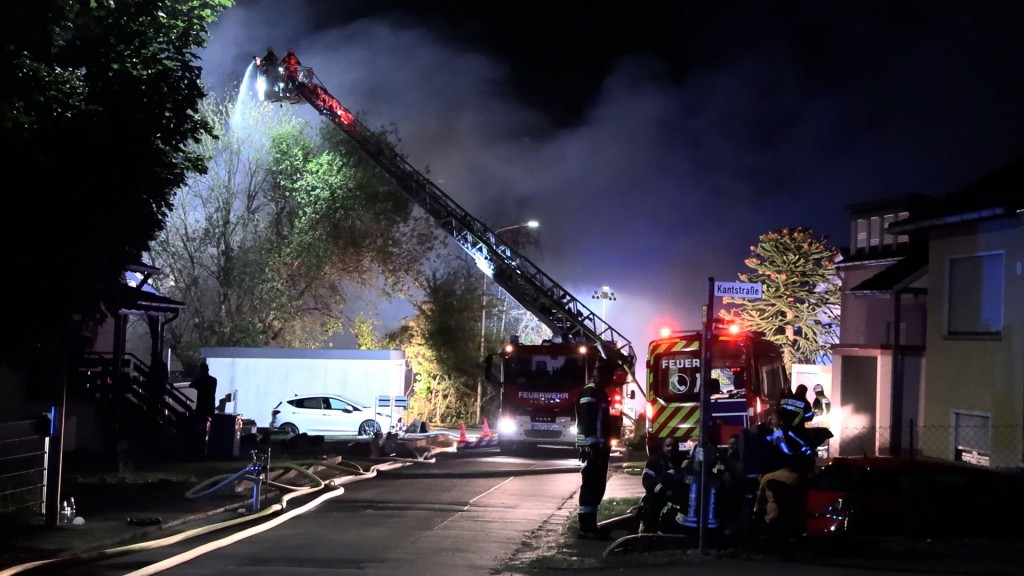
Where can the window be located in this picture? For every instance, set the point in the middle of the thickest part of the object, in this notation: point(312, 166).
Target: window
point(887, 238)
point(974, 300)
point(308, 403)
point(775, 384)
point(972, 437)
point(862, 234)
point(876, 231)
point(902, 238)
point(338, 404)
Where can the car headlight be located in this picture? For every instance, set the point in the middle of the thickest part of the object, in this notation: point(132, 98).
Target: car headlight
point(573, 430)
point(506, 426)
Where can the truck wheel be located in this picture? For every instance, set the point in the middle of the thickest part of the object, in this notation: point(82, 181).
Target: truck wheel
point(289, 428)
point(369, 428)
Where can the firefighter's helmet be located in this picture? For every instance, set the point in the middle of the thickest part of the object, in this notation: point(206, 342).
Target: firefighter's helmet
point(604, 370)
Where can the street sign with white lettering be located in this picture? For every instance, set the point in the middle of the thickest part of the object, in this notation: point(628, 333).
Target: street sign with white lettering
point(737, 290)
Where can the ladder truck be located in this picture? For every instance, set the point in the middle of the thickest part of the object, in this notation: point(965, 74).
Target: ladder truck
point(566, 316)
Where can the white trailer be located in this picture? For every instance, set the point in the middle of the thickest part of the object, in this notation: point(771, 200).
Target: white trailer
point(251, 381)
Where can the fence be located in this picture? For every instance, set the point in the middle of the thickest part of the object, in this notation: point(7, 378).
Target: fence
point(992, 446)
point(23, 453)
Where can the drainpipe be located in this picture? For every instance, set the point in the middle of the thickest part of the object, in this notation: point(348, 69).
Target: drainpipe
point(896, 384)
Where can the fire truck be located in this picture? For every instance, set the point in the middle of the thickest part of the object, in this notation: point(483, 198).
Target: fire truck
point(540, 384)
point(539, 403)
point(748, 378)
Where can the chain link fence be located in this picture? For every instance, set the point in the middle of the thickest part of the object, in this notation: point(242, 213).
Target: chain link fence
point(991, 446)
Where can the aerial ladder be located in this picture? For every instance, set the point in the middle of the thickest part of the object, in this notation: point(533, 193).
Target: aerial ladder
point(537, 292)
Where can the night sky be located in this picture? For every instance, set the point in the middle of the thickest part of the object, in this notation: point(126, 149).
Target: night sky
point(655, 141)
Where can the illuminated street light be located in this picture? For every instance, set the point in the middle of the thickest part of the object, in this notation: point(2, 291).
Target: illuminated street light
point(483, 318)
point(604, 295)
point(527, 224)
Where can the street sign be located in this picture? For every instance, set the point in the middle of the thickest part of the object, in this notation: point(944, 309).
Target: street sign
point(737, 290)
point(392, 401)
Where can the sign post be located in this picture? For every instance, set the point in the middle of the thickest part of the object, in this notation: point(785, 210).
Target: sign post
point(707, 446)
point(705, 409)
point(391, 403)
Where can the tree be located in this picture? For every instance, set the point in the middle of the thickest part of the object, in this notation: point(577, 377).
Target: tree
point(441, 343)
point(265, 246)
point(798, 309)
point(101, 93)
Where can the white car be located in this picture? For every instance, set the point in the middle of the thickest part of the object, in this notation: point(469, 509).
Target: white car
point(327, 415)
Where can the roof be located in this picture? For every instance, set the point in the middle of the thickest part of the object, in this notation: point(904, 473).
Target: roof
point(911, 202)
point(997, 195)
point(303, 353)
point(143, 268)
point(895, 276)
point(135, 279)
point(128, 300)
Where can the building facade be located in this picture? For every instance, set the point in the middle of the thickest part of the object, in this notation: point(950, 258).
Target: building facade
point(931, 353)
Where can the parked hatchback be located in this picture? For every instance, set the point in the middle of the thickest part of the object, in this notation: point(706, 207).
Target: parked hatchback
point(913, 498)
point(327, 415)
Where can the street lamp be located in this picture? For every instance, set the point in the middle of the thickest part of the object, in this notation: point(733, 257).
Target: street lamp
point(483, 318)
point(604, 295)
point(527, 224)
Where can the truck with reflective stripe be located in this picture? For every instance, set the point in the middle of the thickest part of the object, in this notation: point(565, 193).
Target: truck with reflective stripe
point(748, 378)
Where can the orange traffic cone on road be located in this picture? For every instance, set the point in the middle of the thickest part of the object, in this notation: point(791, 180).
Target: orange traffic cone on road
point(487, 430)
point(462, 432)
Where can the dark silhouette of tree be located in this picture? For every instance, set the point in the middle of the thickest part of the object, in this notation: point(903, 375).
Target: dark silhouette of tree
point(97, 110)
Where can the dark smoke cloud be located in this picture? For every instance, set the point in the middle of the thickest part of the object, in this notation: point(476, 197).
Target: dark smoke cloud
point(776, 115)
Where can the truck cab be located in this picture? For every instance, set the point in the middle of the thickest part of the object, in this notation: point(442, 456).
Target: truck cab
point(539, 385)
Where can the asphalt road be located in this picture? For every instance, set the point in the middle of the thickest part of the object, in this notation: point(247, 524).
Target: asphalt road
point(467, 513)
point(462, 515)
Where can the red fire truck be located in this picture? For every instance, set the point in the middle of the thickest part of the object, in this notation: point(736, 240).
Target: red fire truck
point(748, 378)
point(540, 385)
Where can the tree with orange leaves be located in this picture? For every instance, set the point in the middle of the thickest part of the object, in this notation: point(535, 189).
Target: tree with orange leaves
point(799, 305)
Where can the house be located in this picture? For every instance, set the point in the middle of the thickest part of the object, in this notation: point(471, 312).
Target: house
point(108, 393)
point(972, 405)
point(942, 276)
point(882, 340)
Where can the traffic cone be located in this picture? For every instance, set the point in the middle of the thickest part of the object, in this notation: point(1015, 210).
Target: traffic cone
point(487, 430)
point(462, 432)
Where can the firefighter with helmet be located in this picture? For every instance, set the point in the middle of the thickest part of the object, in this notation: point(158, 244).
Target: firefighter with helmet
point(291, 65)
point(595, 429)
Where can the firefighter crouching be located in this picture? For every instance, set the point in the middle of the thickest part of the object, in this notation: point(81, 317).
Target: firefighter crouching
point(780, 497)
point(672, 485)
point(662, 478)
point(595, 430)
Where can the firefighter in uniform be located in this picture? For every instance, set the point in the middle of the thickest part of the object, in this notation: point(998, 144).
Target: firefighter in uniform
point(660, 481)
point(780, 491)
point(595, 430)
point(291, 65)
point(795, 411)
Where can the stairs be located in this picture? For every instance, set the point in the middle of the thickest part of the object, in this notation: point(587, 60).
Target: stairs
point(129, 397)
